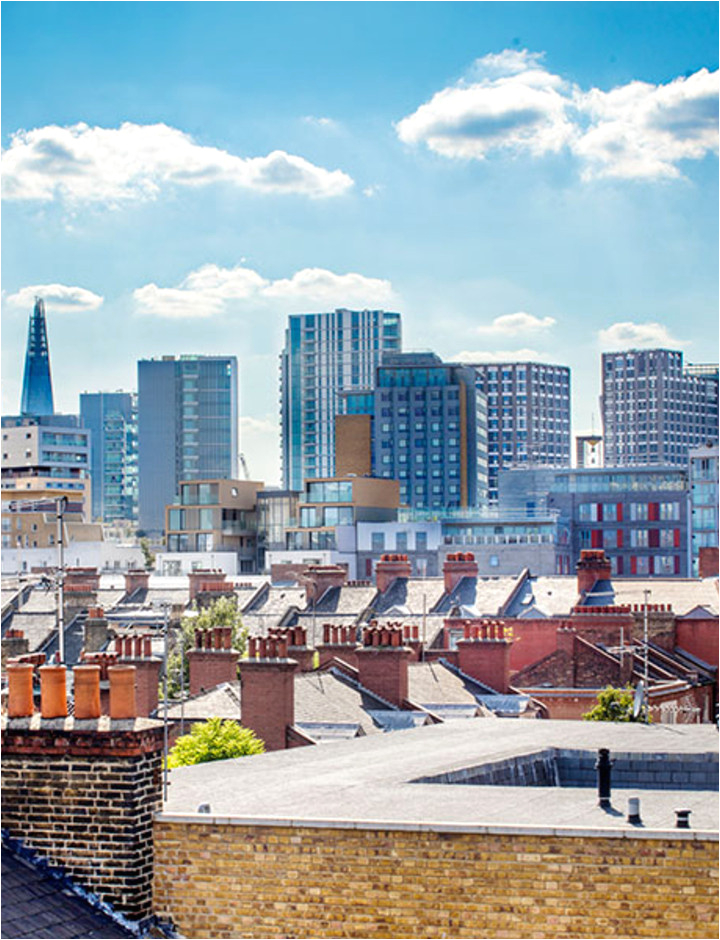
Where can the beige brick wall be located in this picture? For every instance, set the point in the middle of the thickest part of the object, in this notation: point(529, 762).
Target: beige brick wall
point(217, 880)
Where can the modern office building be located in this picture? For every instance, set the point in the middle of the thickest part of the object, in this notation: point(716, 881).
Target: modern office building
point(638, 515)
point(588, 450)
point(187, 428)
point(43, 457)
point(324, 354)
point(655, 410)
point(704, 500)
point(428, 429)
point(528, 406)
point(37, 394)
point(112, 419)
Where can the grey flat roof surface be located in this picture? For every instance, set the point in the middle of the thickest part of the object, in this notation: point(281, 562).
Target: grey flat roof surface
point(369, 780)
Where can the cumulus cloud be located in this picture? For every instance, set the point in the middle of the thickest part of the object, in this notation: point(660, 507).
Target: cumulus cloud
point(211, 290)
point(510, 102)
point(628, 335)
point(511, 324)
point(502, 355)
point(57, 297)
point(319, 121)
point(83, 164)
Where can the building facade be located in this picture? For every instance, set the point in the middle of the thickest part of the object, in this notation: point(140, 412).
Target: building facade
point(187, 428)
point(37, 393)
point(528, 407)
point(429, 431)
point(112, 419)
point(704, 499)
point(324, 354)
point(638, 515)
point(654, 408)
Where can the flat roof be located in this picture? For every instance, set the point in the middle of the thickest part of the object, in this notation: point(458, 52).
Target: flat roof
point(368, 782)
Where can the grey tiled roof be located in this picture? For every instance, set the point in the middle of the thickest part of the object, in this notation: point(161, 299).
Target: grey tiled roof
point(327, 696)
point(434, 683)
point(221, 702)
point(34, 904)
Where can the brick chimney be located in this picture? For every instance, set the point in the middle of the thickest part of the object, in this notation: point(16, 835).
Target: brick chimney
point(82, 792)
point(80, 588)
point(213, 660)
point(565, 640)
point(207, 584)
point(382, 663)
point(96, 630)
point(318, 578)
point(389, 568)
point(484, 653)
point(594, 565)
point(458, 565)
point(136, 579)
point(338, 643)
point(298, 649)
point(268, 691)
point(14, 643)
point(137, 651)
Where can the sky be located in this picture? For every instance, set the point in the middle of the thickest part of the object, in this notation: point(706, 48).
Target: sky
point(519, 180)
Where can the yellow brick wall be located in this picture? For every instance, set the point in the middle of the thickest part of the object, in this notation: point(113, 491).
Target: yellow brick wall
point(245, 881)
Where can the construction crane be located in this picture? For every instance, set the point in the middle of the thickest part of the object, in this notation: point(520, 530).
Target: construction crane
point(243, 464)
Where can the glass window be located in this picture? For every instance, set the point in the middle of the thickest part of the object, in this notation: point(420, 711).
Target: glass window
point(421, 541)
point(639, 538)
point(175, 519)
point(401, 541)
point(377, 541)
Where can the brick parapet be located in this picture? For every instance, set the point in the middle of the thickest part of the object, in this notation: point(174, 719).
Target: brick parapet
point(315, 881)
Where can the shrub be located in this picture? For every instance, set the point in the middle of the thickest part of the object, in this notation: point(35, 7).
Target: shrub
point(214, 739)
point(614, 705)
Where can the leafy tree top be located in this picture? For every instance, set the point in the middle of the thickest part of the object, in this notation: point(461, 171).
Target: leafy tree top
point(214, 739)
point(613, 705)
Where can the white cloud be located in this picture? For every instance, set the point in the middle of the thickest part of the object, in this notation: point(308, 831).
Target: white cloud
point(642, 130)
point(511, 324)
point(503, 355)
point(211, 290)
point(512, 103)
point(629, 335)
point(57, 297)
point(515, 104)
point(319, 121)
point(83, 164)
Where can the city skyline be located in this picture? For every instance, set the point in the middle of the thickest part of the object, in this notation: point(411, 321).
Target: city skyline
point(164, 200)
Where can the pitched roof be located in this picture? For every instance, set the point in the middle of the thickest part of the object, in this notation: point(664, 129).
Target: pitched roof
point(36, 904)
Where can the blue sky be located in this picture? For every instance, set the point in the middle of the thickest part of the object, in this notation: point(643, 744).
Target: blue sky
point(519, 180)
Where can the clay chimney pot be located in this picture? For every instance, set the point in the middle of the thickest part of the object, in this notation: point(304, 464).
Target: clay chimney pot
point(122, 692)
point(53, 692)
point(86, 682)
point(20, 690)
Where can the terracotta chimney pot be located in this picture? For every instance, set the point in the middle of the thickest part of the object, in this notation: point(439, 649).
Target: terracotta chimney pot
point(87, 691)
point(20, 690)
point(122, 692)
point(53, 692)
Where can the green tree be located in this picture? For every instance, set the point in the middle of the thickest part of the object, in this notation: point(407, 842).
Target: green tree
point(147, 553)
point(613, 705)
point(221, 613)
point(214, 739)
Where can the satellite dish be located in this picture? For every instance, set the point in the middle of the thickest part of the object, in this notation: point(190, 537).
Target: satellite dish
point(639, 699)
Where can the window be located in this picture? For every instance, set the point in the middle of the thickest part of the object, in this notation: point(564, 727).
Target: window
point(377, 541)
point(421, 541)
point(638, 511)
point(401, 542)
point(639, 538)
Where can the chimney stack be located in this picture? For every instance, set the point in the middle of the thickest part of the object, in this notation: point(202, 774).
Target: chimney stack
point(318, 578)
point(484, 653)
point(137, 651)
point(382, 663)
point(458, 565)
point(594, 565)
point(213, 661)
point(389, 568)
point(96, 630)
point(267, 679)
point(338, 642)
point(207, 584)
point(296, 640)
point(136, 579)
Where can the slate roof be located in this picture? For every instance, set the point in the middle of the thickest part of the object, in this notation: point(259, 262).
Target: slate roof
point(480, 597)
point(683, 594)
point(35, 905)
point(221, 702)
point(542, 597)
point(434, 684)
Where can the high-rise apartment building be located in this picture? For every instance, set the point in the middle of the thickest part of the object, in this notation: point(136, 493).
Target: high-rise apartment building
point(111, 417)
point(187, 428)
point(704, 499)
point(37, 394)
point(654, 409)
point(324, 354)
point(528, 412)
point(429, 431)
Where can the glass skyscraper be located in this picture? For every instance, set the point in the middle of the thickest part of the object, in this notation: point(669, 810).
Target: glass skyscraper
point(325, 354)
point(187, 428)
point(37, 394)
point(112, 419)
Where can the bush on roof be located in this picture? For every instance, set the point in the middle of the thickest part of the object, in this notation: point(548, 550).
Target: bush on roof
point(214, 739)
point(614, 705)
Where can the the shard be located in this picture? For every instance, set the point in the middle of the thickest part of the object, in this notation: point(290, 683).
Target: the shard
point(37, 395)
